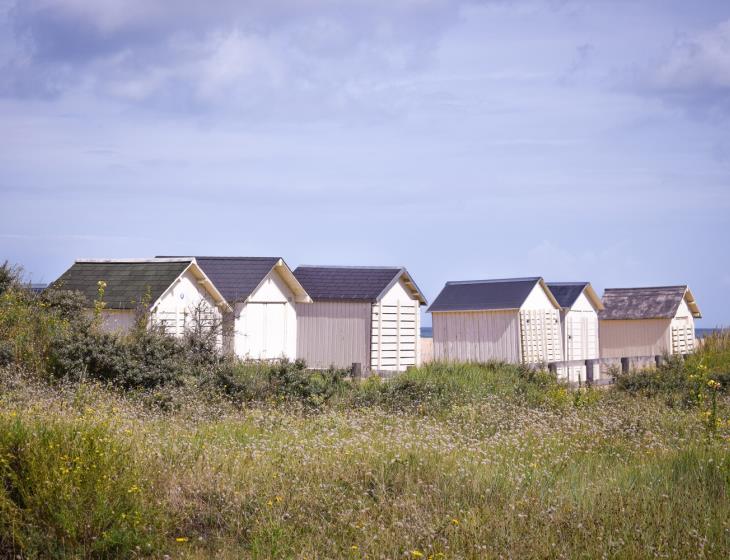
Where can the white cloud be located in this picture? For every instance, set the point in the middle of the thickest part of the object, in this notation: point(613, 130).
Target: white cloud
point(700, 61)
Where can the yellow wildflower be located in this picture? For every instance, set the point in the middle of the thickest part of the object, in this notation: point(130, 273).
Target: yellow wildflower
point(181, 539)
point(416, 554)
point(455, 521)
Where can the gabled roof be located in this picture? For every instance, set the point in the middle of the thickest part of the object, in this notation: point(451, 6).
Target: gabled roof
point(238, 277)
point(353, 283)
point(568, 292)
point(129, 281)
point(660, 302)
point(487, 295)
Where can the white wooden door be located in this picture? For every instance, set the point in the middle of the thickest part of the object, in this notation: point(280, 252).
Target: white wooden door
point(274, 331)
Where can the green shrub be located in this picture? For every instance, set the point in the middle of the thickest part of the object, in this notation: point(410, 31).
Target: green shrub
point(70, 488)
point(285, 380)
point(28, 329)
point(146, 360)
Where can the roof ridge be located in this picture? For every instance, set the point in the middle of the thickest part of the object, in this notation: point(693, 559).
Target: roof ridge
point(566, 283)
point(132, 261)
point(496, 280)
point(346, 267)
point(646, 288)
point(216, 257)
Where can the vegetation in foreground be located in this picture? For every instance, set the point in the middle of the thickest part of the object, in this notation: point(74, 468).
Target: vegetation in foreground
point(230, 460)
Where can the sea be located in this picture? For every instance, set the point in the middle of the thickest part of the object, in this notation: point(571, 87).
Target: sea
point(427, 332)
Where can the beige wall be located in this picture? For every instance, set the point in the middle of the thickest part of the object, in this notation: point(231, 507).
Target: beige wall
point(334, 333)
point(645, 337)
point(478, 336)
point(117, 320)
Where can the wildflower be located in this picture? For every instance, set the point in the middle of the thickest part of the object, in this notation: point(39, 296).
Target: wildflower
point(455, 522)
point(354, 547)
point(416, 554)
point(712, 384)
point(181, 539)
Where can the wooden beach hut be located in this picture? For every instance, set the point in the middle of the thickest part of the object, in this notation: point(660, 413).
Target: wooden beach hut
point(365, 315)
point(579, 307)
point(513, 320)
point(262, 292)
point(174, 291)
point(646, 322)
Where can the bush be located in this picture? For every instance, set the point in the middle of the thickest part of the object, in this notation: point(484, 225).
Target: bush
point(146, 360)
point(438, 386)
point(285, 380)
point(69, 489)
point(28, 329)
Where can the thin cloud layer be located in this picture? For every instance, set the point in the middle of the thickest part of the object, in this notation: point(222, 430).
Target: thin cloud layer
point(249, 56)
point(696, 71)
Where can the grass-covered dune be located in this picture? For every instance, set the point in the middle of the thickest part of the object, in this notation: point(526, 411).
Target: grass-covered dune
point(472, 464)
point(139, 445)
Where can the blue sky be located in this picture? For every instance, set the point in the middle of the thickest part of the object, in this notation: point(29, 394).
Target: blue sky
point(463, 139)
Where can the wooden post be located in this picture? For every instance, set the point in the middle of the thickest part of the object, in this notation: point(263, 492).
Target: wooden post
point(356, 372)
point(625, 364)
point(589, 371)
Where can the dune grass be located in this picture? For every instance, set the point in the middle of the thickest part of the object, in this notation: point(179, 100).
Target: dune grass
point(445, 462)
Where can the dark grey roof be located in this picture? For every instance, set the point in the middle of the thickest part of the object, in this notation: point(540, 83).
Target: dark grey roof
point(236, 277)
point(484, 295)
point(659, 302)
point(566, 292)
point(127, 282)
point(352, 283)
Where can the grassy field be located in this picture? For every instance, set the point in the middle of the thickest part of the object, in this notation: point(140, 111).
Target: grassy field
point(445, 462)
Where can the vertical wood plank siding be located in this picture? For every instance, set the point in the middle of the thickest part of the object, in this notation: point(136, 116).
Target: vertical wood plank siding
point(476, 336)
point(638, 337)
point(333, 333)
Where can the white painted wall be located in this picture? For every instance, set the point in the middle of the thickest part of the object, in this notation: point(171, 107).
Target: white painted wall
point(265, 326)
point(579, 330)
point(174, 309)
point(683, 330)
point(537, 299)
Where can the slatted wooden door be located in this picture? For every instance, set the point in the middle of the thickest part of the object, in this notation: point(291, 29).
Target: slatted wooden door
point(540, 336)
point(683, 337)
point(394, 335)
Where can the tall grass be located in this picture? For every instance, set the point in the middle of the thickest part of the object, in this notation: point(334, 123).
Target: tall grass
point(444, 462)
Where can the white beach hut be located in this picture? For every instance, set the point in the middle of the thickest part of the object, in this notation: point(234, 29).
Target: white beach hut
point(647, 322)
point(365, 315)
point(579, 307)
point(513, 320)
point(174, 291)
point(262, 292)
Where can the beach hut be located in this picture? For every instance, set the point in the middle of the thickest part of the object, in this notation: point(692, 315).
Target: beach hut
point(262, 292)
point(646, 322)
point(579, 307)
point(365, 315)
point(174, 291)
point(513, 320)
